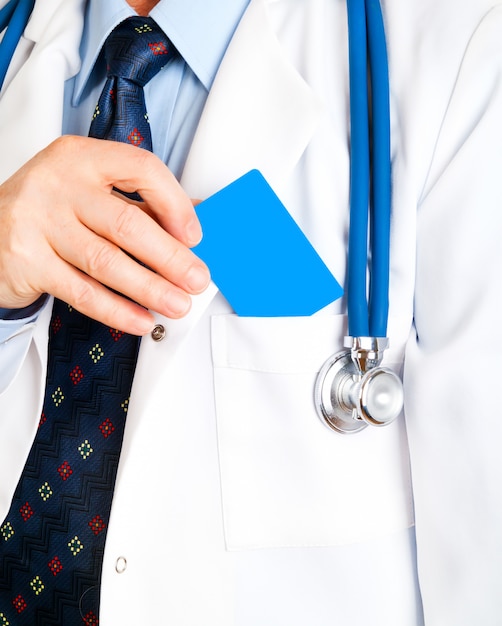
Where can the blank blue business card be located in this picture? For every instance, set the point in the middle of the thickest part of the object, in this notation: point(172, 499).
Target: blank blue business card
point(258, 257)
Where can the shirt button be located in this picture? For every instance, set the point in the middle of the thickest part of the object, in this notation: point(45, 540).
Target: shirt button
point(158, 333)
point(121, 565)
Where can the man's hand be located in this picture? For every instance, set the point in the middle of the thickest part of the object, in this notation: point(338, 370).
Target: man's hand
point(63, 231)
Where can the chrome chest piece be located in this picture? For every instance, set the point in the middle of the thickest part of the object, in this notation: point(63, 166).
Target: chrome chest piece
point(352, 391)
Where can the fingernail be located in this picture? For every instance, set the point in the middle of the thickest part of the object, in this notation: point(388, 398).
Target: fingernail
point(193, 232)
point(143, 326)
point(197, 278)
point(178, 303)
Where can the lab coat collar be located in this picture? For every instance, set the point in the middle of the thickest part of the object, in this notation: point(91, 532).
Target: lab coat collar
point(44, 14)
point(100, 19)
point(212, 25)
point(32, 94)
point(260, 113)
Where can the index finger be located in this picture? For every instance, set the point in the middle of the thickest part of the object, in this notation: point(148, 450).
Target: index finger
point(133, 169)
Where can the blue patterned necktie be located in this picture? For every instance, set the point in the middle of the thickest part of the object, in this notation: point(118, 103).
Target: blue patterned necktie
point(52, 540)
point(135, 52)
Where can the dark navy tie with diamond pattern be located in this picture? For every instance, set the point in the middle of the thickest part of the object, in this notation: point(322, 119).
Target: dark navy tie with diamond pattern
point(135, 52)
point(52, 540)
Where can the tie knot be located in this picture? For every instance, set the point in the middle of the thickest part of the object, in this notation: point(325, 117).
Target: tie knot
point(137, 49)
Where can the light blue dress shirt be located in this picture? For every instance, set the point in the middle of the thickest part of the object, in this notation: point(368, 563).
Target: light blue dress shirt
point(201, 31)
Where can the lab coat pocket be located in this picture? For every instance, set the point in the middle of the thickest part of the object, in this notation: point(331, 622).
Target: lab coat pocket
point(287, 480)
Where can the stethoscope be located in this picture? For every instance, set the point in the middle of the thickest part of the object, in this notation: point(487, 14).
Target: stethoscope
point(14, 17)
point(352, 390)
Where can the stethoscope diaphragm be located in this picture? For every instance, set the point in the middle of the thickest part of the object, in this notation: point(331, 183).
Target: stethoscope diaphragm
point(353, 391)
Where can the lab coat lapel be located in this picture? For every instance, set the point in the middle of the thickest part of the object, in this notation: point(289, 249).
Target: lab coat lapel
point(31, 102)
point(260, 114)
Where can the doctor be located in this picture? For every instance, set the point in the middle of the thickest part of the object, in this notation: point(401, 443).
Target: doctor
point(234, 505)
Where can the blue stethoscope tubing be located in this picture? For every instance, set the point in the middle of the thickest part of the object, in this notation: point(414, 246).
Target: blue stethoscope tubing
point(352, 390)
point(14, 17)
point(370, 175)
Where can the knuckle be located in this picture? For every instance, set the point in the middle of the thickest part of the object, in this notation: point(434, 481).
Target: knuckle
point(47, 170)
point(148, 290)
point(154, 286)
point(173, 259)
point(145, 162)
point(100, 259)
point(126, 221)
point(82, 296)
point(61, 143)
point(142, 157)
point(67, 144)
point(62, 151)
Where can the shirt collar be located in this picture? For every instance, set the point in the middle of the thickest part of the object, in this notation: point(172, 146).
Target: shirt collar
point(200, 29)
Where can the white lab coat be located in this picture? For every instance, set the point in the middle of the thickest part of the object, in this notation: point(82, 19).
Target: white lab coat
point(234, 505)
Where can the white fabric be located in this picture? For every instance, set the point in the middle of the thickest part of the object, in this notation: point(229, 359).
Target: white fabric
point(256, 513)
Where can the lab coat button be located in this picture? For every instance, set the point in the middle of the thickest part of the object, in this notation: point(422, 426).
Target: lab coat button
point(121, 565)
point(158, 333)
